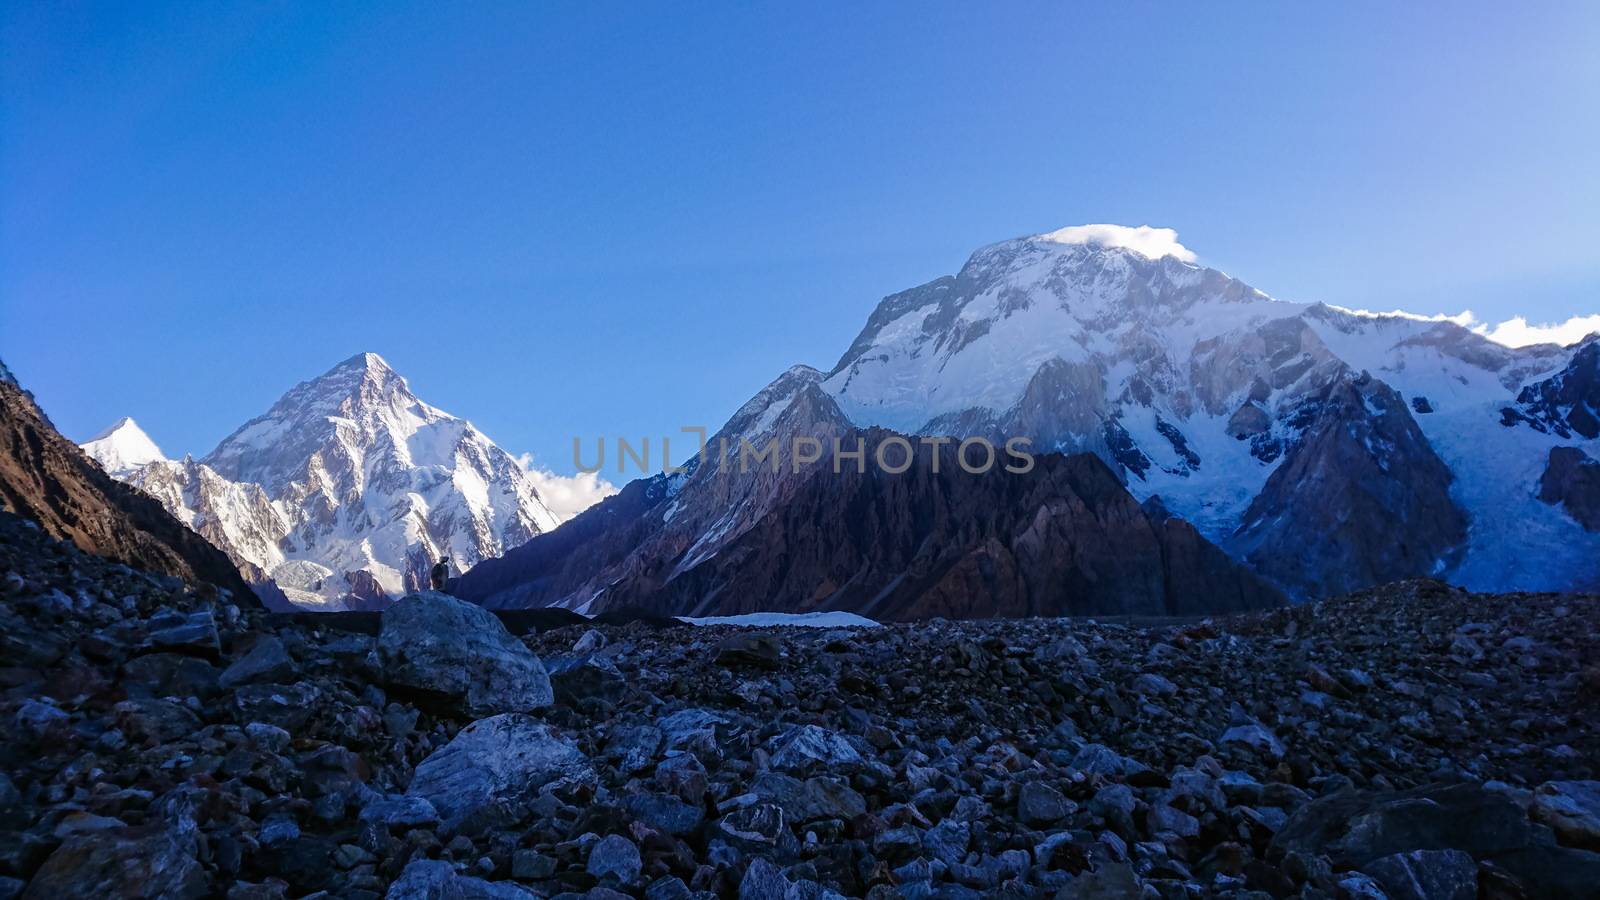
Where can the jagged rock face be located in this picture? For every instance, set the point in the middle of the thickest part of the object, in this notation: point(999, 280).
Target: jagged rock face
point(1361, 498)
point(46, 478)
point(1568, 402)
point(236, 517)
point(1572, 480)
point(1064, 539)
point(346, 492)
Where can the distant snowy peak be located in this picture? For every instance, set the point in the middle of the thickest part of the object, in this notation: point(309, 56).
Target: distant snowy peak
point(122, 448)
point(357, 402)
point(349, 477)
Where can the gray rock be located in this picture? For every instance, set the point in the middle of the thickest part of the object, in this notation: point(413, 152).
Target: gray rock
point(493, 769)
point(1102, 760)
point(1353, 828)
point(614, 857)
point(1040, 804)
point(664, 811)
point(1571, 809)
point(433, 879)
point(192, 632)
point(156, 860)
point(763, 881)
point(1256, 737)
point(447, 648)
point(266, 661)
point(805, 747)
point(580, 677)
point(1426, 875)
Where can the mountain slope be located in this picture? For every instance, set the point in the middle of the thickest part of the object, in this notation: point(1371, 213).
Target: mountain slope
point(46, 478)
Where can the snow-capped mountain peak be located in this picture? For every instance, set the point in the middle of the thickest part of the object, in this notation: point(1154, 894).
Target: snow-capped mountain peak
point(1152, 243)
point(353, 475)
point(122, 448)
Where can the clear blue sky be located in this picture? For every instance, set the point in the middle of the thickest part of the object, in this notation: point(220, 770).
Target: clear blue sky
point(620, 218)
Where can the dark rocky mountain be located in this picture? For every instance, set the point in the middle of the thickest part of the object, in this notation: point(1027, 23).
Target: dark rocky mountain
point(1572, 480)
point(1360, 498)
point(1568, 402)
point(47, 479)
point(162, 743)
point(1064, 539)
point(934, 540)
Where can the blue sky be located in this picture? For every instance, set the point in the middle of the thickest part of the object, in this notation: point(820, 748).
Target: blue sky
point(583, 219)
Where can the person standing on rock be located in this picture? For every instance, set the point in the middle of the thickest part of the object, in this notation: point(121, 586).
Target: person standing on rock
point(441, 574)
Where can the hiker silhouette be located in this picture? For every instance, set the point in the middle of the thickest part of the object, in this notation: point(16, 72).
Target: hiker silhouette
point(441, 574)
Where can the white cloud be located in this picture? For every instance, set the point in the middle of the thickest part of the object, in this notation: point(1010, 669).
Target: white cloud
point(1513, 332)
point(566, 495)
point(1144, 240)
point(1518, 332)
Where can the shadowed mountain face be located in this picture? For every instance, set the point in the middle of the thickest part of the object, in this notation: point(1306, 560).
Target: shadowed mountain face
point(1360, 499)
point(1063, 538)
point(45, 478)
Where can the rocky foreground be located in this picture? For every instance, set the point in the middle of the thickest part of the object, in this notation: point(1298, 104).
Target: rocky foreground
point(1409, 742)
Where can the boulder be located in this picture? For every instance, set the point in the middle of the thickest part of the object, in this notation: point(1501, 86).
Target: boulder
point(156, 860)
point(450, 650)
point(492, 770)
point(1353, 828)
point(616, 858)
point(433, 879)
point(1571, 809)
point(266, 661)
point(1426, 875)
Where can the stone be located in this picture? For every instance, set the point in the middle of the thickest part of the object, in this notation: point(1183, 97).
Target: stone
point(1571, 809)
point(755, 650)
point(191, 632)
point(156, 860)
point(432, 879)
point(1256, 737)
point(763, 881)
point(806, 747)
point(1356, 827)
point(1041, 804)
point(266, 661)
point(664, 811)
point(459, 653)
point(580, 677)
point(614, 857)
point(531, 865)
point(493, 769)
point(1426, 875)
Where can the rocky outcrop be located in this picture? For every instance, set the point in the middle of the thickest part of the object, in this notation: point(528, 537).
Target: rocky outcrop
point(1568, 402)
point(1360, 498)
point(1572, 480)
point(451, 651)
point(46, 478)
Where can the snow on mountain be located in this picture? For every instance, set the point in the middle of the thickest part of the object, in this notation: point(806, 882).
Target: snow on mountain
point(122, 448)
point(1196, 385)
point(349, 484)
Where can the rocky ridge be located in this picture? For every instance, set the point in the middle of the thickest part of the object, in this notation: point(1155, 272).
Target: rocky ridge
point(1408, 741)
